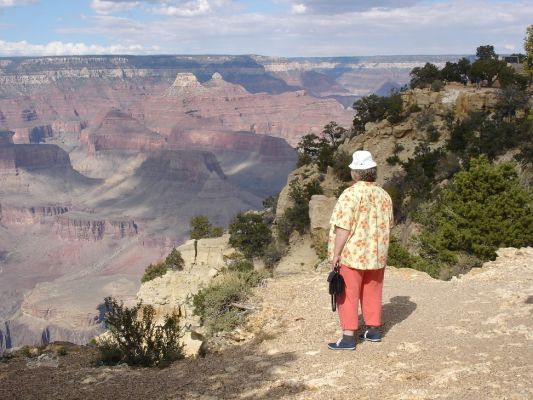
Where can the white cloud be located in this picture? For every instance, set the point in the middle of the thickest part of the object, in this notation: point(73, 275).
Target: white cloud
point(436, 28)
point(190, 8)
point(61, 49)
point(109, 7)
point(11, 3)
point(332, 7)
point(299, 8)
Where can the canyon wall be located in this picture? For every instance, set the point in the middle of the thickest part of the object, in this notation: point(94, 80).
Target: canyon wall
point(104, 161)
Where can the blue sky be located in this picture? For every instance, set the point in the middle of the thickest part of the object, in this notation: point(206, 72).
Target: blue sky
point(269, 27)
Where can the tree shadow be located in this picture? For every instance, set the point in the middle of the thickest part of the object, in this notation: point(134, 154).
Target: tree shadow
point(243, 372)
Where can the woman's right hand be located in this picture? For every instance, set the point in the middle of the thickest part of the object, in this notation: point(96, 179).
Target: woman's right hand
point(335, 262)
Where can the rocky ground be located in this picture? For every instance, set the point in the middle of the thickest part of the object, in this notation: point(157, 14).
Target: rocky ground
point(466, 338)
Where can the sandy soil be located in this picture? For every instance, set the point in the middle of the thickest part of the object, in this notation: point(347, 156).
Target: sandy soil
point(467, 338)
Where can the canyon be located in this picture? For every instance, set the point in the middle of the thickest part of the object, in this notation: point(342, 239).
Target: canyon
point(104, 160)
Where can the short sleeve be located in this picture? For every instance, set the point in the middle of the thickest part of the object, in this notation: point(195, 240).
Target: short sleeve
point(344, 212)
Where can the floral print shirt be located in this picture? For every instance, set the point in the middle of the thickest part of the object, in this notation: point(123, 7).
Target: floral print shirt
point(365, 210)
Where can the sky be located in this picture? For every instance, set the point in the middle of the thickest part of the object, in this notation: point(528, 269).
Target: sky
point(287, 28)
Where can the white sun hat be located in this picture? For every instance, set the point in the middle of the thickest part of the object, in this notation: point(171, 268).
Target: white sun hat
point(362, 159)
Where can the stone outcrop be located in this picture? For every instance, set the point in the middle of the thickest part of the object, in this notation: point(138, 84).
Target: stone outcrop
point(320, 209)
point(381, 137)
point(457, 98)
point(32, 157)
point(185, 84)
point(120, 131)
point(174, 290)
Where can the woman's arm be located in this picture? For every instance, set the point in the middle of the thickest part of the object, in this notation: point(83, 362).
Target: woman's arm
point(341, 236)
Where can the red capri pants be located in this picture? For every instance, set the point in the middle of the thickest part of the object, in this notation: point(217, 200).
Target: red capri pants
point(365, 286)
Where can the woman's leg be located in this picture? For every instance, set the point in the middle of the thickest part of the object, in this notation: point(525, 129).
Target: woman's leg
point(371, 292)
point(348, 301)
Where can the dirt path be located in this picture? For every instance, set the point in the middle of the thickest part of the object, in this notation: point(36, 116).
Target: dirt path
point(465, 339)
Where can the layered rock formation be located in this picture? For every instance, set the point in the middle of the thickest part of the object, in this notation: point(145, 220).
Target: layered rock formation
point(76, 226)
point(32, 157)
point(221, 106)
point(120, 131)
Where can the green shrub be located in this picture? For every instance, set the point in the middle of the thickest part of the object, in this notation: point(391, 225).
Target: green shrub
point(174, 261)
point(483, 209)
point(62, 351)
point(284, 228)
point(201, 228)
point(271, 202)
point(433, 134)
point(216, 231)
point(154, 271)
point(215, 305)
point(249, 234)
point(321, 248)
point(393, 160)
point(395, 187)
point(420, 171)
point(341, 160)
point(479, 134)
point(437, 85)
point(422, 77)
point(296, 217)
point(414, 108)
point(273, 254)
point(136, 340)
point(374, 108)
point(398, 256)
point(241, 264)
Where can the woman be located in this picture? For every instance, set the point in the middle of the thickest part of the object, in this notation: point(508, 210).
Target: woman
point(358, 246)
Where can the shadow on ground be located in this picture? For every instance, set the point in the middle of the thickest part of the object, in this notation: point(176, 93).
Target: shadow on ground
point(399, 309)
point(239, 372)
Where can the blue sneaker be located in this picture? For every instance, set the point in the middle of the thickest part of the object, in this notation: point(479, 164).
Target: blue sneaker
point(371, 335)
point(342, 344)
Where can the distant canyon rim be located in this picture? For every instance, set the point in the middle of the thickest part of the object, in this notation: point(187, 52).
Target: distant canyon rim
point(105, 159)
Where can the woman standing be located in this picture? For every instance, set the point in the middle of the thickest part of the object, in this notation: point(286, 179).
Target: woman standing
point(358, 246)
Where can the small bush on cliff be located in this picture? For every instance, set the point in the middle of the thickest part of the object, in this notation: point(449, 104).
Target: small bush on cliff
point(422, 77)
point(296, 217)
point(249, 234)
point(341, 160)
point(218, 305)
point(374, 108)
point(136, 340)
point(201, 228)
point(319, 150)
point(174, 260)
point(154, 271)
